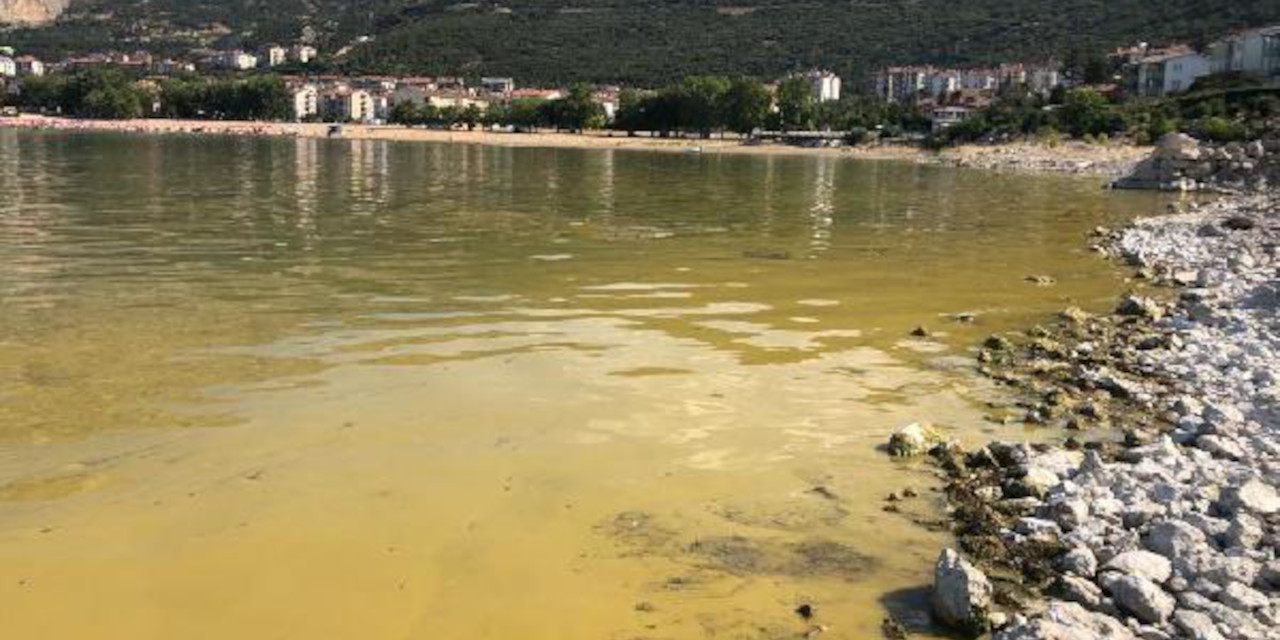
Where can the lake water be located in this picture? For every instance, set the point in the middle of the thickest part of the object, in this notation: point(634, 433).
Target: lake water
point(256, 388)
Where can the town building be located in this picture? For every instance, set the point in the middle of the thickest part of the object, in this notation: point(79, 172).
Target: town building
point(944, 118)
point(537, 94)
point(169, 66)
point(499, 86)
point(236, 60)
point(347, 105)
point(302, 53)
point(29, 66)
point(8, 67)
point(824, 86)
point(1255, 52)
point(273, 56)
point(306, 102)
point(1172, 70)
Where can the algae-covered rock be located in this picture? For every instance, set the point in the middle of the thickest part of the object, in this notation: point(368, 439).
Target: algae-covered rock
point(913, 440)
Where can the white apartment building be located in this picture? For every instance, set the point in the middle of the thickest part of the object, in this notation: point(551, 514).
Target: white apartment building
point(824, 86)
point(306, 102)
point(302, 54)
point(236, 60)
point(1254, 52)
point(274, 56)
point(8, 67)
point(1171, 71)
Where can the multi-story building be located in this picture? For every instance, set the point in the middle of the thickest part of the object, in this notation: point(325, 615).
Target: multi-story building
point(236, 60)
point(8, 67)
point(902, 84)
point(273, 56)
point(302, 53)
point(345, 104)
point(1255, 52)
point(824, 86)
point(499, 86)
point(1169, 71)
point(306, 102)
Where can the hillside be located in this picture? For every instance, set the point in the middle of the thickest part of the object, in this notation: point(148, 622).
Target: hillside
point(30, 11)
point(642, 41)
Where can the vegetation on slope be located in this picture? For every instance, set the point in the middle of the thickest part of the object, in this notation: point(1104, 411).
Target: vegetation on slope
point(646, 42)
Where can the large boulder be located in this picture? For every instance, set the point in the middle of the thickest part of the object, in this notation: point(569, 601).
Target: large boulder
point(1178, 147)
point(1252, 496)
point(1142, 598)
point(1144, 564)
point(961, 593)
point(1066, 621)
point(1195, 625)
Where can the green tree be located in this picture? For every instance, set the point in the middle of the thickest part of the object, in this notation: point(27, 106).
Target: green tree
point(746, 104)
point(701, 103)
point(1087, 112)
point(795, 104)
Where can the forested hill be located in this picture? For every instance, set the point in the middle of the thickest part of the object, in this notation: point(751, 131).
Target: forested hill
point(643, 41)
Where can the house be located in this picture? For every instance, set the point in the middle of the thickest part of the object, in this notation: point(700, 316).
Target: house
point(980, 79)
point(273, 56)
point(1043, 79)
point(943, 82)
point(536, 94)
point(500, 86)
point(946, 117)
point(302, 54)
point(236, 60)
point(824, 86)
point(306, 102)
point(29, 66)
point(169, 66)
point(1170, 71)
point(8, 67)
point(1255, 52)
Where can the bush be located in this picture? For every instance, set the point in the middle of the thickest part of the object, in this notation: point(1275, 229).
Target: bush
point(1217, 129)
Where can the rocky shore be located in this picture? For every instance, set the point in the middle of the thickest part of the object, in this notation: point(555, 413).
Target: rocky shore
point(1158, 517)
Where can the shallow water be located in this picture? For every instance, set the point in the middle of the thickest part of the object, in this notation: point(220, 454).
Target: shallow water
point(262, 388)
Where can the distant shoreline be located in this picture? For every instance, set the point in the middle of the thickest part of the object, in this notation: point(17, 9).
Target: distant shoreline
point(1071, 157)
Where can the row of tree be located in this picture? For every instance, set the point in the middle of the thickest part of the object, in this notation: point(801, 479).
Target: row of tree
point(576, 111)
point(1222, 109)
point(112, 94)
point(702, 105)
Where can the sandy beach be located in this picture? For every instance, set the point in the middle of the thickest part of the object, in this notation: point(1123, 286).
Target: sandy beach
point(1069, 157)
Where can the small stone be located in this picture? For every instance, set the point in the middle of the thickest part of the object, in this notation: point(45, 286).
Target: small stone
point(1138, 306)
point(920, 332)
point(1245, 532)
point(997, 343)
point(1081, 591)
point(1079, 561)
point(1075, 315)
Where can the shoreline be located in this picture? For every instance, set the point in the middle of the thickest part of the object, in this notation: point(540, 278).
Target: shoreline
point(1074, 158)
point(1173, 531)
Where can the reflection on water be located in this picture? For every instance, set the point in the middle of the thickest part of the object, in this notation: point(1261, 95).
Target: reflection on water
point(310, 388)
